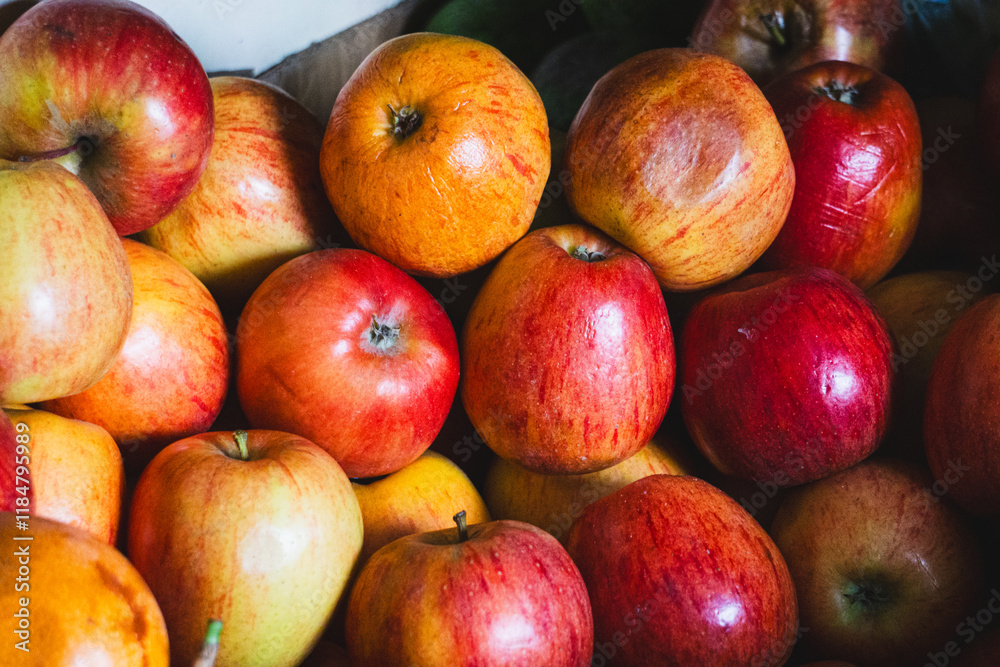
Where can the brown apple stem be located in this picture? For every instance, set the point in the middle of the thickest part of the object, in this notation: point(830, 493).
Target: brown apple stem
point(382, 335)
point(587, 255)
point(70, 157)
point(776, 25)
point(241, 441)
point(405, 122)
point(463, 528)
point(210, 646)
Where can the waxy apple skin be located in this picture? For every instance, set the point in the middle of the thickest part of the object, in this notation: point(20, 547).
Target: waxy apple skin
point(264, 543)
point(858, 171)
point(568, 364)
point(66, 287)
point(678, 156)
point(787, 376)
point(509, 595)
point(962, 412)
point(307, 364)
point(113, 73)
point(884, 567)
point(866, 32)
point(679, 574)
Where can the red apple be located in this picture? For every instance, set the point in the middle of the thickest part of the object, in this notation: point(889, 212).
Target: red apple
point(65, 289)
point(787, 376)
point(499, 593)
point(962, 414)
point(988, 113)
point(260, 201)
point(62, 469)
point(679, 574)
point(769, 38)
point(568, 354)
point(346, 350)
point(81, 601)
point(257, 529)
point(679, 157)
point(171, 377)
point(436, 153)
point(110, 91)
point(856, 144)
point(884, 568)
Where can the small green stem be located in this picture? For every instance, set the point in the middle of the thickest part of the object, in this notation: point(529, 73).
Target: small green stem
point(463, 528)
point(210, 646)
point(241, 441)
point(775, 24)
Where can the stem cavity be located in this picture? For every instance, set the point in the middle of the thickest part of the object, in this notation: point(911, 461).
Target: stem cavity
point(587, 255)
point(838, 92)
point(405, 121)
point(381, 335)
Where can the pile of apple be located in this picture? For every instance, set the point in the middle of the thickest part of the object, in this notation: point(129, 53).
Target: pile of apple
point(174, 260)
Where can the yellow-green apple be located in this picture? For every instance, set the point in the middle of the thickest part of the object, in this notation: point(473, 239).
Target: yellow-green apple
point(170, 379)
point(919, 309)
point(679, 157)
point(787, 376)
point(554, 502)
point(962, 414)
point(108, 90)
point(258, 529)
point(436, 153)
point(421, 497)
point(498, 593)
point(62, 469)
point(260, 201)
point(856, 144)
point(348, 351)
point(568, 355)
point(988, 113)
point(66, 289)
point(679, 574)
point(884, 568)
point(74, 600)
point(769, 38)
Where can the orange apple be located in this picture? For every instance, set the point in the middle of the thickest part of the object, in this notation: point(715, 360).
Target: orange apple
point(171, 377)
point(260, 201)
point(82, 601)
point(423, 496)
point(436, 153)
point(679, 157)
point(74, 472)
point(554, 502)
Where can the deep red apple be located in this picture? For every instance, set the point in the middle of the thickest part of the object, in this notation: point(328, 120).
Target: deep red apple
point(855, 140)
point(343, 348)
point(884, 568)
point(768, 38)
point(679, 574)
point(107, 89)
point(499, 593)
point(988, 112)
point(568, 355)
point(962, 413)
point(787, 376)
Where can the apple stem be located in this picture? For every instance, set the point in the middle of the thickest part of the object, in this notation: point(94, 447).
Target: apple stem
point(210, 646)
point(776, 25)
point(463, 528)
point(587, 255)
point(241, 441)
point(838, 92)
point(69, 157)
point(405, 122)
point(382, 335)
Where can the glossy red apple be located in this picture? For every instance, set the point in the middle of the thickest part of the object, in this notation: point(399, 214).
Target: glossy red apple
point(962, 414)
point(568, 355)
point(988, 113)
point(346, 350)
point(679, 574)
point(107, 89)
point(678, 156)
point(65, 288)
point(500, 593)
point(787, 376)
point(855, 140)
point(769, 38)
point(257, 529)
point(883, 566)
point(170, 379)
